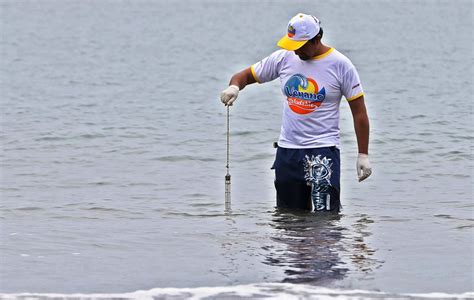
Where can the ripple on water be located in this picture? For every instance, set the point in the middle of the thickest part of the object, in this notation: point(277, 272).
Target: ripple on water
point(244, 133)
point(393, 219)
point(202, 215)
point(255, 157)
point(177, 158)
point(205, 204)
point(465, 227)
point(25, 208)
point(418, 117)
point(100, 183)
point(64, 138)
point(456, 155)
point(462, 137)
point(52, 138)
point(450, 217)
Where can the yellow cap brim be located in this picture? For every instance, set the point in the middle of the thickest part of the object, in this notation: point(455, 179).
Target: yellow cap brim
point(289, 44)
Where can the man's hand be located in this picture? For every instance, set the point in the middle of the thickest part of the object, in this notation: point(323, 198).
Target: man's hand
point(363, 166)
point(229, 95)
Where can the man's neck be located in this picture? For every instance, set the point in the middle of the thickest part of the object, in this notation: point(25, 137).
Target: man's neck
point(321, 49)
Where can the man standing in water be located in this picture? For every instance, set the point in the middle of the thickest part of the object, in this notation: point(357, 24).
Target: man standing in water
point(313, 78)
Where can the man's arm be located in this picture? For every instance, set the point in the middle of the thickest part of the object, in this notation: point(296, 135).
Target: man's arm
point(238, 82)
point(242, 78)
point(361, 126)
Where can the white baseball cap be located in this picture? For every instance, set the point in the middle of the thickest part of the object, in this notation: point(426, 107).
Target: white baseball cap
point(301, 29)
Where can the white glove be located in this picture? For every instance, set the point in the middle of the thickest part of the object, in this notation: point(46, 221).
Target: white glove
point(229, 95)
point(363, 166)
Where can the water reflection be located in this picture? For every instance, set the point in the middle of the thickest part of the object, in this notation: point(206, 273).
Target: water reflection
point(361, 254)
point(317, 248)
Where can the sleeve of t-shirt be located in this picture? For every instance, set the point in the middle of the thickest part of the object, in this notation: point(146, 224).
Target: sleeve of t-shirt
point(351, 86)
point(268, 68)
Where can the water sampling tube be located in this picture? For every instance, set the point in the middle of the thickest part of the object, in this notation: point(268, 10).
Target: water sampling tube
point(227, 175)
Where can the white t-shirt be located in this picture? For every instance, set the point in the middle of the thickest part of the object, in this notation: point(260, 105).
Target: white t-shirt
point(313, 91)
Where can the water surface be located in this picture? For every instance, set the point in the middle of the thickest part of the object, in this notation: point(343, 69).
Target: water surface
point(113, 149)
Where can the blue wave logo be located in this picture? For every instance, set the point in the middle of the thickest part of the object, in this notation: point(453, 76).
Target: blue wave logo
point(303, 94)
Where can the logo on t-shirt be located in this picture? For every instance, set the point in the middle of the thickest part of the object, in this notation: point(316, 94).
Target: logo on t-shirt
point(303, 94)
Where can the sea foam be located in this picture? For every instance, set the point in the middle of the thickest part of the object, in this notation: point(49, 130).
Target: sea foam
point(282, 291)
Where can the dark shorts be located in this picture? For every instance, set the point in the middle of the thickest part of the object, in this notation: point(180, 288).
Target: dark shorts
point(308, 178)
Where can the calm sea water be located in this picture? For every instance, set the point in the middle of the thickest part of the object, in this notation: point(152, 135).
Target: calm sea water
point(113, 150)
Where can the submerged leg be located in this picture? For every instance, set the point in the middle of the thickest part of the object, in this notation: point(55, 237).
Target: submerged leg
point(293, 195)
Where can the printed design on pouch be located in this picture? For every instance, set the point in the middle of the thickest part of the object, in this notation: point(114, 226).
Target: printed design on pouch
point(303, 94)
point(318, 175)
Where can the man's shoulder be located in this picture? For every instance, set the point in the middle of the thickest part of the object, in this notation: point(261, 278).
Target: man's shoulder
point(280, 53)
point(341, 61)
point(340, 57)
point(278, 57)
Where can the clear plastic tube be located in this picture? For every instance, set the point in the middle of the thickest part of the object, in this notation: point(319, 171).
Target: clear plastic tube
point(227, 191)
